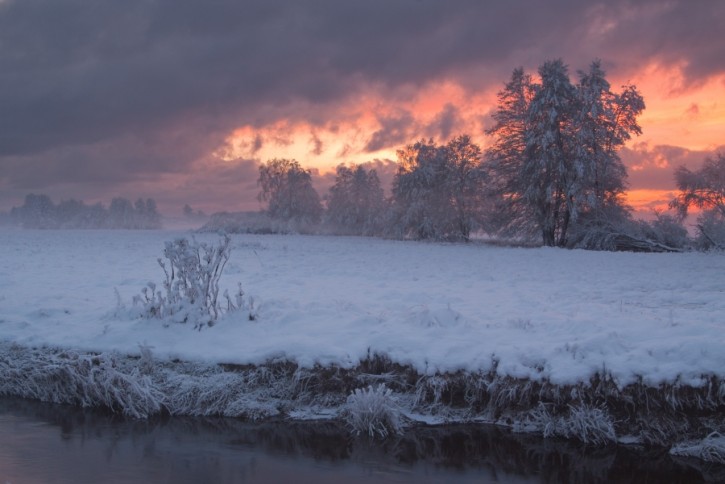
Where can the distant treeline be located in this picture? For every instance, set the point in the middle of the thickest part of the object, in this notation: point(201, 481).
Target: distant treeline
point(551, 175)
point(39, 212)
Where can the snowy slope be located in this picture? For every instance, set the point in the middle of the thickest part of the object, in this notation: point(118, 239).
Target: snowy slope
point(539, 313)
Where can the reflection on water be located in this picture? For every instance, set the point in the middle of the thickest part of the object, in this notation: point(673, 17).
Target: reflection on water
point(42, 443)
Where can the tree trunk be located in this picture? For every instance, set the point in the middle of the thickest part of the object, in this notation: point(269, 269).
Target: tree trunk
point(548, 235)
point(564, 228)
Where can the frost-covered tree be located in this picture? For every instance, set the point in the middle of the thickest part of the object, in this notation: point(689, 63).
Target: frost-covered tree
point(146, 216)
point(355, 203)
point(605, 122)
point(552, 177)
point(419, 203)
point(39, 211)
point(464, 184)
point(69, 213)
point(121, 213)
point(666, 230)
point(437, 190)
point(511, 215)
point(704, 189)
point(287, 187)
point(554, 161)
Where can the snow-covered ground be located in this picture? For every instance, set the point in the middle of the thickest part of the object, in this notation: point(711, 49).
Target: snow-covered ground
point(544, 314)
point(593, 346)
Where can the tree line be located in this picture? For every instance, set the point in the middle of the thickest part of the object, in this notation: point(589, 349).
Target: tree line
point(552, 174)
point(39, 212)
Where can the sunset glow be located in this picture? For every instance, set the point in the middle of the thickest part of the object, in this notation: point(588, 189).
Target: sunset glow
point(690, 115)
point(209, 93)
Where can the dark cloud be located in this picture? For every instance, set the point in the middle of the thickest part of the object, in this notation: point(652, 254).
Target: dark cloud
point(652, 167)
point(317, 144)
point(234, 182)
point(445, 124)
point(74, 74)
point(126, 90)
point(394, 131)
point(123, 158)
point(257, 143)
point(674, 33)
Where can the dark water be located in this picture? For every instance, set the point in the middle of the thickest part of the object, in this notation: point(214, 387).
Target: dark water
point(42, 443)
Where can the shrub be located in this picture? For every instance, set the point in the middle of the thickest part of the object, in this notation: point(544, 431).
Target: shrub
point(191, 286)
point(711, 448)
point(710, 231)
point(665, 229)
point(589, 424)
point(373, 411)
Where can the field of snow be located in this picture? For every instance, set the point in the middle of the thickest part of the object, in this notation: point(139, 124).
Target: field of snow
point(544, 314)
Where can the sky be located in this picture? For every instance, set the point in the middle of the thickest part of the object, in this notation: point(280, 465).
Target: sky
point(181, 100)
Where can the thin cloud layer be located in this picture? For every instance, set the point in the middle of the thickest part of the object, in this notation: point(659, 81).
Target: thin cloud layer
point(125, 94)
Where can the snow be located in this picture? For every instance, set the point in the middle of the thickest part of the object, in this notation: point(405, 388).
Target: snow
point(541, 313)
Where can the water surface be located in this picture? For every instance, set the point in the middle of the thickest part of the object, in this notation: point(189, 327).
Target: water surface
point(44, 443)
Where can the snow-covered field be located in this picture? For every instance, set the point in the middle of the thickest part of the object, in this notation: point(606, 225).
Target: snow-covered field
point(541, 313)
point(551, 315)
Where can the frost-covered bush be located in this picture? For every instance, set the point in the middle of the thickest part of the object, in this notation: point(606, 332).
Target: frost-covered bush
point(665, 229)
point(70, 377)
point(589, 424)
point(710, 231)
point(373, 411)
point(191, 286)
point(711, 448)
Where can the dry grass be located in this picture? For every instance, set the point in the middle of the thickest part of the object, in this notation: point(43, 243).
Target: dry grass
point(596, 412)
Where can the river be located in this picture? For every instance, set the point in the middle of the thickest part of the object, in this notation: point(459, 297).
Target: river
point(46, 443)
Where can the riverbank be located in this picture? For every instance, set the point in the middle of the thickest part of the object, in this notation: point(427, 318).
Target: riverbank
point(599, 347)
point(596, 412)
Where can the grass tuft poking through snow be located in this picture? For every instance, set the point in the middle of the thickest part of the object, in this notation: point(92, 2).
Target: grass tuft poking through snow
point(373, 411)
point(375, 397)
point(589, 424)
point(74, 378)
point(710, 449)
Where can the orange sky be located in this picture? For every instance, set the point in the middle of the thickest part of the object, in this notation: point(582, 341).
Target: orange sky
point(182, 104)
point(689, 116)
